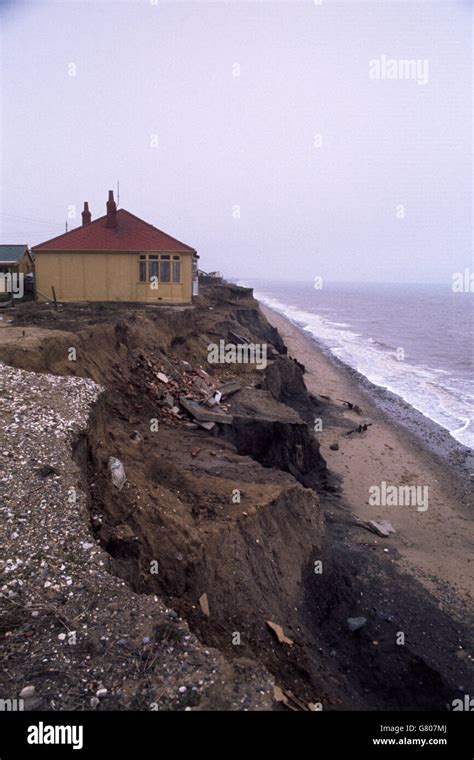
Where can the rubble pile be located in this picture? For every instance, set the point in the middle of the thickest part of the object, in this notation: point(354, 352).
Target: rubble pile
point(183, 392)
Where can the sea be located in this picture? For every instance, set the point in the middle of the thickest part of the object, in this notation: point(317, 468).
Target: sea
point(414, 340)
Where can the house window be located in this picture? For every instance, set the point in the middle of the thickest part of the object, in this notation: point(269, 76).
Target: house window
point(176, 269)
point(142, 269)
point(152, 267)
point(165, 269)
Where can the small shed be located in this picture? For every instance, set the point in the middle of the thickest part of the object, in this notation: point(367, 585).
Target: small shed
point(15, 262)
point(15, 258)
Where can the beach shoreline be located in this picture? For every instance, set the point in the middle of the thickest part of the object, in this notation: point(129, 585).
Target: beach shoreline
point(399, 447)
point(431, 433)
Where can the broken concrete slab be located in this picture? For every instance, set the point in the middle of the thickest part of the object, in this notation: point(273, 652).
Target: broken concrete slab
point(228, 389)
point(382, 528)
point(207, 425)
point(204, 415)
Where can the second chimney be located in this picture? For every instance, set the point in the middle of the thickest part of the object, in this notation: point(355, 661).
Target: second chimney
point(86, 215)
point(111, 211)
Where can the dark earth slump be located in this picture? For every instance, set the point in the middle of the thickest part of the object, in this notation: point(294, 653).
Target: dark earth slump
point(254, 559)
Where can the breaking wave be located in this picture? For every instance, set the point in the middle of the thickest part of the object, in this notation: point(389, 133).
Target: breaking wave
point(436, 393)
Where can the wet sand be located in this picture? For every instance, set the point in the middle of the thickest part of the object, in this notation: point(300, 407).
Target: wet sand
point(434, 544)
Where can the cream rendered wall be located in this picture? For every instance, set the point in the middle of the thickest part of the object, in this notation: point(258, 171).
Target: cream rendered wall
point(84, 276)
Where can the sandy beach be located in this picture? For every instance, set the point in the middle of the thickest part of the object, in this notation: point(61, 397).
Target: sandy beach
point(434, 545)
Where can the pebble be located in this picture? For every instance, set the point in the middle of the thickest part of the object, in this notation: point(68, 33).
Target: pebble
point(27, 692)
point(101, 693)
point(356, 622)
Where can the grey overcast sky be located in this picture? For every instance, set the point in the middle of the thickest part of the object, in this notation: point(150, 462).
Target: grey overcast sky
point(250, 130)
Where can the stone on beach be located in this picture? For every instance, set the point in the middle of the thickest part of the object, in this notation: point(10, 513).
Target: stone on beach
point(354, 623)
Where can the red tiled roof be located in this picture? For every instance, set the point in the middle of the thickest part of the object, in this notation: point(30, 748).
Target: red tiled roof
point(130, 234)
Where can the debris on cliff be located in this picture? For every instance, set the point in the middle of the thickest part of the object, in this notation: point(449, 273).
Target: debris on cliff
point(158, 595)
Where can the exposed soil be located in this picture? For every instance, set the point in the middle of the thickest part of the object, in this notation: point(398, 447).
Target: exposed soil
point(240, 513)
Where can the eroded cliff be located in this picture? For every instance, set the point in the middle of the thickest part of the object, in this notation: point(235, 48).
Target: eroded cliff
point(217, 531)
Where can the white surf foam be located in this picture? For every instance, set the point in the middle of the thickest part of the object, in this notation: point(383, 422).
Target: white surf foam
point(434, 392)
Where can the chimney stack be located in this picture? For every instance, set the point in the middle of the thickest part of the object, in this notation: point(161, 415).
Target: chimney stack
point(86, 215)
point(111, 211)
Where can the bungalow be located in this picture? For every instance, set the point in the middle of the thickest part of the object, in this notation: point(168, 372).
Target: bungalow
point(117, 257)
point(15, 260)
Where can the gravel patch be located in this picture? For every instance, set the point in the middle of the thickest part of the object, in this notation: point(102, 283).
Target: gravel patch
point(74, 636)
